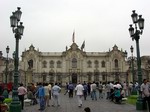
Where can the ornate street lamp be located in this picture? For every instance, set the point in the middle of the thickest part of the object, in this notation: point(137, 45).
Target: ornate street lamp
point(135, 35)
point(15, 106)
point(7, 51)
point(134, 92)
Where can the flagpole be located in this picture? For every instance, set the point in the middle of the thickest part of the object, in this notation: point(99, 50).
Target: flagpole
point(73, 37)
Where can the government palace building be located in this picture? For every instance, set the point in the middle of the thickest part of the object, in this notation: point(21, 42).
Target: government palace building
point(75, 65)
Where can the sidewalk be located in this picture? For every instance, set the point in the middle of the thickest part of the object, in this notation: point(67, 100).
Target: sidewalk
point(70, 105)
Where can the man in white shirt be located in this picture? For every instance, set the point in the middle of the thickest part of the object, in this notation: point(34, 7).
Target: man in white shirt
point(79, 92)
point(93, 91)
point(55, 93)
point(145, 89)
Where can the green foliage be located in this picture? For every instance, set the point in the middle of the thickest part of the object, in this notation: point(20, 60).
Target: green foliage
point(7, 100)
point(132, 99)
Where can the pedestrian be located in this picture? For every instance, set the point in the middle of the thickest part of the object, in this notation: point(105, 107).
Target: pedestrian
point(66, 88)
point(79, 92)
point(125, 88)
point(41, 96)
point(108, 90)
point(55, 94)
point(85, 91)
point(70, 89)
point(31, 97)
point(117, 94)
point(145, 89)
point(50, 87)
point(89, 88)
point(21, 92)
point(111, 91)
point(93, 91)
point(130, 89)
point(103, 90)
point(100, 89)
point(87, 109)
point(33, 88)
point(46, 89)
point(29, 94)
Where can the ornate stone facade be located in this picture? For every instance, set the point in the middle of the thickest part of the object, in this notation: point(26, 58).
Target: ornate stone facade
point(75, 65)
point(3, 69)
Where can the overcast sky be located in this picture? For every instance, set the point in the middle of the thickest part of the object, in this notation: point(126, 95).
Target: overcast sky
point(49, 24)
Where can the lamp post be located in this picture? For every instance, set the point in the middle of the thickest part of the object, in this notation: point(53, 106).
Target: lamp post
point(6, 73)
point(135, 35)
point(134, 92)
point(15, 106)
point(132, 64)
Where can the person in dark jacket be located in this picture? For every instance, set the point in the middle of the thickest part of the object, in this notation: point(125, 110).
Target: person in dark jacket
point(70, 89)
point(87, 109)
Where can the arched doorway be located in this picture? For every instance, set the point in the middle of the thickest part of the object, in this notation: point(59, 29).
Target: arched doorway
point(74, 78)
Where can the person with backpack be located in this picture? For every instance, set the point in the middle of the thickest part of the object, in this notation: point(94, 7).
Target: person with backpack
point(41, 96)
point(85, 91)
point(70, 90)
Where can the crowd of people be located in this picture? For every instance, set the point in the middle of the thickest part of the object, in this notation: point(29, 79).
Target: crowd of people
point(103, 89)
point(116, 92)
point(42, 93)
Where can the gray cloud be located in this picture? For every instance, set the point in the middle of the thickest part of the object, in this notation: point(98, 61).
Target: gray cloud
point(49, 24)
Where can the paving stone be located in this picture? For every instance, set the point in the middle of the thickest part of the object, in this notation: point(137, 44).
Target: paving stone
point(70, 105)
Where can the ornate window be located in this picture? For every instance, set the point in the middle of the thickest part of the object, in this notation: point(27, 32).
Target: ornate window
point(116, 63)
point(74, 63)
point(30, 64)
point(89, 64)
point(51, 64)
point(96, 64)
point(58, 64)
point(44, 64)
point(103, 64)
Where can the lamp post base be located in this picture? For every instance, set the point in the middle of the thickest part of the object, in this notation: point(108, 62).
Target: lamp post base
point(15, 107)
point(140, 105)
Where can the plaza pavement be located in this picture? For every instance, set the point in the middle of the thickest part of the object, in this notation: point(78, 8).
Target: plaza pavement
point(70, 105)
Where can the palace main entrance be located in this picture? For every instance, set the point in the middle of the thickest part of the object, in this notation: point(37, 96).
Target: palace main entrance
point(74, 78)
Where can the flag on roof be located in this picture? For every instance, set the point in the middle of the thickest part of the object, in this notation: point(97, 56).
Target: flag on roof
point(83, 45)
point(73, 37)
